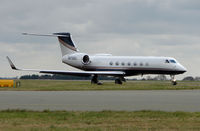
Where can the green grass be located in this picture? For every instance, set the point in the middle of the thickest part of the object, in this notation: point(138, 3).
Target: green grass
point(62, 85)
point(105, 120)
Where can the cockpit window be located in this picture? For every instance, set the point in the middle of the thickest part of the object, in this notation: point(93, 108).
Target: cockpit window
point(172, 61)
point(166, 61)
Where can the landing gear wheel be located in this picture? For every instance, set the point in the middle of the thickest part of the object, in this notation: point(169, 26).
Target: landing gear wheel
point(118, 81)
point(174, 83)
point(95, 80)
point(99, 83)
point(173, 80)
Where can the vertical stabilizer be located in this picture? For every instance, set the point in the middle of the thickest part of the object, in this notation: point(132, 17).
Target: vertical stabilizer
point(66, 43)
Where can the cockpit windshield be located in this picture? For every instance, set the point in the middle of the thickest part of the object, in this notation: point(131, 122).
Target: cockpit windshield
point(172, 61)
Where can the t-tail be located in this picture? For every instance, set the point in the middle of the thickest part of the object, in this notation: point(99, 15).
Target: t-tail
point(65, 39)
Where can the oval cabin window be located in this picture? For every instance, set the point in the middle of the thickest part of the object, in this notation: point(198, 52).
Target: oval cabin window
point(117, 63)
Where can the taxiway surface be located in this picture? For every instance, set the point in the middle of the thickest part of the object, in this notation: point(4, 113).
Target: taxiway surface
point(165, 100)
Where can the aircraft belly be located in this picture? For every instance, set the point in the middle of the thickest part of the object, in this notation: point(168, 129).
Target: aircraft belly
point(136, 71)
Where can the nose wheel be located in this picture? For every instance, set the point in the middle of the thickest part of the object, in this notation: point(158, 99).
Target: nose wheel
point(173, 80)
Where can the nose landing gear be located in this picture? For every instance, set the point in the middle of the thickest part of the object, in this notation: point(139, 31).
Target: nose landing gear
point(173, 80)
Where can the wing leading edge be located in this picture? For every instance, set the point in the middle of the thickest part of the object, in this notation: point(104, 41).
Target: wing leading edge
point(75, 73)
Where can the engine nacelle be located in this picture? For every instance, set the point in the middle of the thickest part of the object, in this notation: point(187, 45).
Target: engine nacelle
point(77, 59)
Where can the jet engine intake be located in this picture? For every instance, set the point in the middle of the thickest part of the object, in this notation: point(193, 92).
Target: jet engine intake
point(86, 59)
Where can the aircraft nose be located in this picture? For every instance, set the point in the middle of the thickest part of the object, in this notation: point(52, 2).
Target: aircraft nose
point(182, 68)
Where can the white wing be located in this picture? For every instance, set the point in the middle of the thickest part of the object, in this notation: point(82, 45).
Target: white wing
point(75, 73)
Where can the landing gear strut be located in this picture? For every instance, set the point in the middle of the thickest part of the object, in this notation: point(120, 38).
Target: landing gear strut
point(173, 80)
point(95, 80)
point(119, 80)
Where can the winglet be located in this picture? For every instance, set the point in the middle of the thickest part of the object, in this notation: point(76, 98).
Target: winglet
point(11, 64)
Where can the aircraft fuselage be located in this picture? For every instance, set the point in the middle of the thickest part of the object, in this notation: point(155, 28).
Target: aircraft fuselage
point(131, 65)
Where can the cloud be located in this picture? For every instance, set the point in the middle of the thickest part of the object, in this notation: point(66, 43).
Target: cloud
point(122, 27)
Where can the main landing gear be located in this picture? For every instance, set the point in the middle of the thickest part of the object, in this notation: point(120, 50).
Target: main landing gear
point(95, 80)
point(119, 80)
point(173, 80)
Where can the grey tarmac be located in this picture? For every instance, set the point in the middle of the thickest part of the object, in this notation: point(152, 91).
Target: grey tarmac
point(164, 100)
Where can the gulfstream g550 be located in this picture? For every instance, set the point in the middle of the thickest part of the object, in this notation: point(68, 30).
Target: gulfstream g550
point(106, 64)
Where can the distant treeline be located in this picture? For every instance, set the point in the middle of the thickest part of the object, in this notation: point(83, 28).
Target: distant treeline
point(62, 77)
point(190, 78)
point(8, 78)
point(69, 77)
point(163, 77)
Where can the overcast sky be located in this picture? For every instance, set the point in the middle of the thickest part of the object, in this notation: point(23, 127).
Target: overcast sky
point(120, 27)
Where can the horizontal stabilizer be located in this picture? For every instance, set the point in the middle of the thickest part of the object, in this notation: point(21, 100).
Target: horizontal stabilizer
point(51, 35)
point(65, 40)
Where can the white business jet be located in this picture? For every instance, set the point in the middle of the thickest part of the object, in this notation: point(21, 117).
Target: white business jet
point(108, 65)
